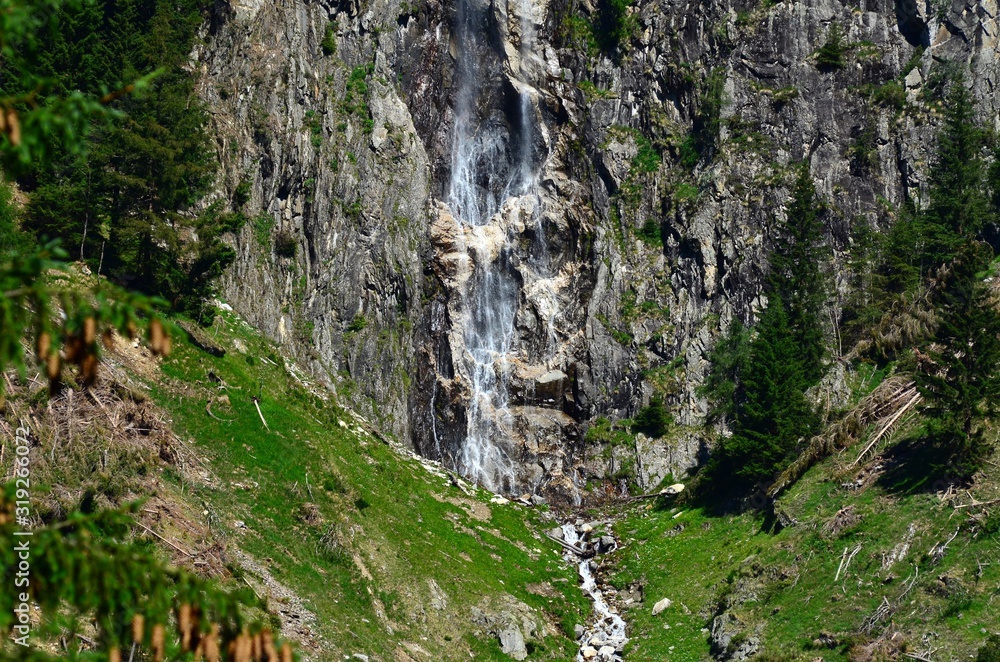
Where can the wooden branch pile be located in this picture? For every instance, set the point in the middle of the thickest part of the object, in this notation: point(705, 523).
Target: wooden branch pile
point(879, 408)
point(910, 397)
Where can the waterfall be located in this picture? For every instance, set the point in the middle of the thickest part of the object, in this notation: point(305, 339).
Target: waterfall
point(491, 164)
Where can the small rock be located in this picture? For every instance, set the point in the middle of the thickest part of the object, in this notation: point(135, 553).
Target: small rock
point(499, 499)
point(588, 652)
point(360, 656)
point(557, 533)
point(607, 652)
point(661, 605)
point(606, 544)
point(538, 500)
point(578, 631)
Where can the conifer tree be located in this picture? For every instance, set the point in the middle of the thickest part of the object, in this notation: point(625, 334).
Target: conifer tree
point(961, 381)
point(959, 205)
point(758, 381)
point(773, 413)
point(728, 359)
point(797, 276)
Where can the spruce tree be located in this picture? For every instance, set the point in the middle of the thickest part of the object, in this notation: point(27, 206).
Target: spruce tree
point(772, 412)
point(759, 384)
point(961, 381)
point(959, 205)
point(145, 167)
point(797, 278)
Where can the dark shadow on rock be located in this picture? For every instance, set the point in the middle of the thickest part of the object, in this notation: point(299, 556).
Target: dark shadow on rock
point(912, 23)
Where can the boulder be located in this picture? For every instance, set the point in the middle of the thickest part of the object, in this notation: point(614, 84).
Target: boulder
point(661, 605)
point(512, 642)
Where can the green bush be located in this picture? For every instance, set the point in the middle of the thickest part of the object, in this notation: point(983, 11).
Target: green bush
point(990, 652)
point(650, 232)
point(359, 323)
point(891, 95)
point(242, 194)
point(285, 244)
point(614, 26)
point(830, 55)
point(647, 159)
point(262, 226)
point(653, 420)
point(329, 43)
point(701, 142)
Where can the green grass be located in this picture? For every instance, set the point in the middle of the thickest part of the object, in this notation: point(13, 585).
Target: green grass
point(784, 581)
point(382, 511)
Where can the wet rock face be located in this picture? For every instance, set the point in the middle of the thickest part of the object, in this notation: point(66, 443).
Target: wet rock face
point(335, 125)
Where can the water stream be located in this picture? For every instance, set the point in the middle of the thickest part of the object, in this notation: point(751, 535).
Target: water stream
point(604, 638)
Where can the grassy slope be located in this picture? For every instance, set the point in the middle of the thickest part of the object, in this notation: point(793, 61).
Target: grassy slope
point(785, 581)
point(382, 525)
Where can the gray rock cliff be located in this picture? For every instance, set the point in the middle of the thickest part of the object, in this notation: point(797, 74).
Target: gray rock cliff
point(626, 262)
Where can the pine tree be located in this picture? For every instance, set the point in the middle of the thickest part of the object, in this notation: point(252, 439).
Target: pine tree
point(959, 205)
point(797, 276)
point(728, 360)
point(773, 413)
point(961, 381)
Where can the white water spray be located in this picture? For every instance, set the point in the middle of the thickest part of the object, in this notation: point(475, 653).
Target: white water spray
point(491, 164)
point(606, 634)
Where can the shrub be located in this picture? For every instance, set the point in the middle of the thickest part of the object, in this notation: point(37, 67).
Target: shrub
point(329, 43)
point(285, 244)
point(650, 233)
point(990, 652)
point(357, 324)
point(890, 95)
point(262, 226)
point(242, 193)
point(653, 420)
point(647, 159)
point(830, 56)
point(614, 26)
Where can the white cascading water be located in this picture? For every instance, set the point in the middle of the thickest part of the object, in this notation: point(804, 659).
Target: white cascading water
point(606, 634)
point(484, 176)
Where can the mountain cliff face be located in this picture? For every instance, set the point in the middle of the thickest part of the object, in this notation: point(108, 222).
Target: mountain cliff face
point(426, 175)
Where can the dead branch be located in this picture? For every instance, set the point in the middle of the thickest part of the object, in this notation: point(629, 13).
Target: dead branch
point(885, 398)
point(977, 504)
point(937, 552)
point(872, 620)
point(841, 566)
point(149, 530)
point(576, 550)
point(256, 403)
point(850, 558)
point(208, 410)
point(887, 427)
